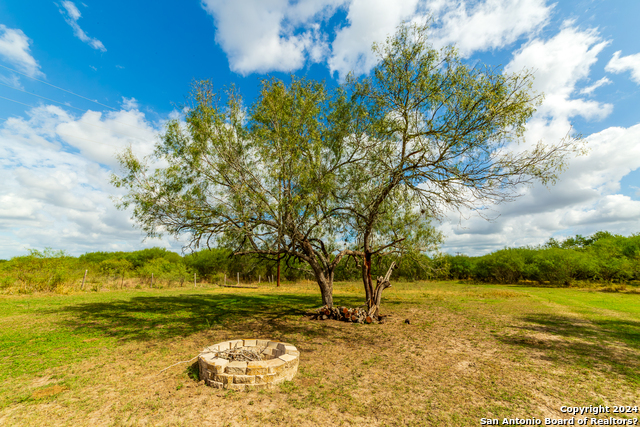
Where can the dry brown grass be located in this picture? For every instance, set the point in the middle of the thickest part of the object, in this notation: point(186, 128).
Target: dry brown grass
point(468, 353)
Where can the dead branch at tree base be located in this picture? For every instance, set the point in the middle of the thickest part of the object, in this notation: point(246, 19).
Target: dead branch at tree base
point(359, 314)
point(382, 284)
point(345, 314)
point(238, 286)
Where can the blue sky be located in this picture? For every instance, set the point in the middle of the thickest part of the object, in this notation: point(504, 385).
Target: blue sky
point(137, 61)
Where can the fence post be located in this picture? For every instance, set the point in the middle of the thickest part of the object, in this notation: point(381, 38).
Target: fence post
point(122, 283)
point(83, 278)
point(152, 280)
point(238, 279)
point(194, 280)
point(259, 279)
point(225, 280)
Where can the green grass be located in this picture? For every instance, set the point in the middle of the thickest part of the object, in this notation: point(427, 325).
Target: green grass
point(51, 331)
point(509, 346)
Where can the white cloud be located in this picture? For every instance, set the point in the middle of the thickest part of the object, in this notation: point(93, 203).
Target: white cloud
point(72, 10)
point(55, 171)
point(14, 48)
point(585, 200)
point(270, 35)
point(71, 15)
point(98, 135)
point(129, 103)
point(611, 208)
point(626, 63)
point(489, 25)
point(559, 64)
point(589, 89)
point(13, 81)
point(282, 35)
point(614, 152)
point(369, 21)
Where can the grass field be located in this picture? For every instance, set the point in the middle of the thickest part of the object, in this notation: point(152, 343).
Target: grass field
point(469, 352)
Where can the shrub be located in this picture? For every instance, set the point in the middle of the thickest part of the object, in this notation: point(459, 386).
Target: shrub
point(460, 266)
point(164, 271)
point(43, 271)
point(557, 266)
point(503, 266)
point(208, 262)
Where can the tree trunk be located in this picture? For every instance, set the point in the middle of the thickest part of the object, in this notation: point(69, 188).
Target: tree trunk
point(327, 295)
point(323, 274)
point(278, 273)
point(366, 279)
point(382, 284)
point(326, 289)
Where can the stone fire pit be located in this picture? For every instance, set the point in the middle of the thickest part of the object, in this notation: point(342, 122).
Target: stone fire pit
point(279, 363)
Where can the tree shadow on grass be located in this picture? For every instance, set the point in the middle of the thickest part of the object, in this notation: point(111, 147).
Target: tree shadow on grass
point(605, 345)
point(146, 318)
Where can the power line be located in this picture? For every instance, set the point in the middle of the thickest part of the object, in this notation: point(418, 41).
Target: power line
point(17, 102)
point(111, 130)
point(90, 124)
point(86, 139)
point(65, 90)
point(61, 103)
point(79, 137)
point(40, 96)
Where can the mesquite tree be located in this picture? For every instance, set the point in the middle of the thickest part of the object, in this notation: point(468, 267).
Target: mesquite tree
point(369, 163)
point(258, 180)
point(444, 136)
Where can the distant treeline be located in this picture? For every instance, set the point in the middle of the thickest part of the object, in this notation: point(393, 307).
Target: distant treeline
point(602, 257)
point(52, 270)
